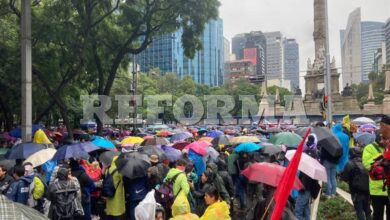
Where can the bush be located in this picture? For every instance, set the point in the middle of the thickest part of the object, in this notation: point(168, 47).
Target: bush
point(335, 209)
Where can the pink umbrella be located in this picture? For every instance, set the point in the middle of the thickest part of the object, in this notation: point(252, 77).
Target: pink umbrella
point(199, 147)
point(309, 166)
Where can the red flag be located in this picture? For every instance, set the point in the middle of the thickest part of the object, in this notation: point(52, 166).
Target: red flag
point(286, 183)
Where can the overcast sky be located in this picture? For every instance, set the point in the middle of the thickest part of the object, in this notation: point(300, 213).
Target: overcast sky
point(294, 18)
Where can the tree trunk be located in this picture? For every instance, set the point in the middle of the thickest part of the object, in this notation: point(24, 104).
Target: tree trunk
point(45, 112)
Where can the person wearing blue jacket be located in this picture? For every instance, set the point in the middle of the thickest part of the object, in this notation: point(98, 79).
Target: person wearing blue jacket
point(344, 140)
point(135, 191)
point(19, 189)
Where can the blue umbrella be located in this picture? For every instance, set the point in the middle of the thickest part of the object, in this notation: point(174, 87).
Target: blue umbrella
point(247, 147)
point(181, 136)
point(104, 143)
point(70, 151)
point(23, 150)
point(364, 138)
point(214, 133)
point(171, 153)
point(17, 132)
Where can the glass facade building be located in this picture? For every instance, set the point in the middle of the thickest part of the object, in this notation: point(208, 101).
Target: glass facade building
point(167, 54)
point(291, 62)
point(387, 40)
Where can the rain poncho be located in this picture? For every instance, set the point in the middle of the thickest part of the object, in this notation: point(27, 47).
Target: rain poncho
point(218, 210)
point(146, 209)
point(41, 138)
point(344, 140)
point(199, 163)
point(181, 208)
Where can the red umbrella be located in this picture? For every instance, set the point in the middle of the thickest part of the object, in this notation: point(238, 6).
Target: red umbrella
point(164, 133)
point(229, 131)
point(268, 173)
point(180, 145)
point(199, 147)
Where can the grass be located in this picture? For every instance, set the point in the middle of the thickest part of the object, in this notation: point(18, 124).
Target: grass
point(335, 209)
point(343, 185)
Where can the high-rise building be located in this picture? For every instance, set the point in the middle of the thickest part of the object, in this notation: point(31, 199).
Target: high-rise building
point(254, 43)
point(291, 62)
point(387, 40)
point(274, 55)
point(167, 54)
point(226, 49)
point(359, 41)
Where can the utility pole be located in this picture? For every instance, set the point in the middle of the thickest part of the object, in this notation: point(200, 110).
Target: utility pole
point(134, 94)
point(26, 102)
point(327, 74)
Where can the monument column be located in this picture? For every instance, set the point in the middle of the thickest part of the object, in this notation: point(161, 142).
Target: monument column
point(386, 100)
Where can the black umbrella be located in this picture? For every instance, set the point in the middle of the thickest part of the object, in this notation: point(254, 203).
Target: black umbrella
point(328, 141)
point(23, 150)
point(150, 150)
point(9, 164)
point(155, 141)
point(107, 156)
point(301, 131)
point(133, 164)
point(271, 149)
point(223, 139)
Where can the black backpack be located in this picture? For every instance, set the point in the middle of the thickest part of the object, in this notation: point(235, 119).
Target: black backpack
point(65, 204)
point(360, 178)
point(109, 189)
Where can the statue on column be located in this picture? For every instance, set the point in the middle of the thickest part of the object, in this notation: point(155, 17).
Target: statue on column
point(347, 91)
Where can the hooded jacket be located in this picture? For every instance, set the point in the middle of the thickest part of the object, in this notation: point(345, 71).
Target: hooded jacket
point(180, 183)
point(219, 183)
point(115, 206)
point(181, 209)
point(19, 190)
point(218, 210)
point(370, 153)
point(344, 140)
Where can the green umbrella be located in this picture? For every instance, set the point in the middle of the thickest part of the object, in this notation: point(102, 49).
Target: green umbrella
point(287, 138)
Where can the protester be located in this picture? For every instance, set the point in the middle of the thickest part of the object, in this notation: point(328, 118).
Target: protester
point(19, 189)
point(344, 140)
point(181, 208)
point(330, 164)
point(378, 196)
point(36, 188)
point(5, 179)
point(135, 191)
point(181, 183)
point(160, 212)
point(311, 147)
point(216, 208)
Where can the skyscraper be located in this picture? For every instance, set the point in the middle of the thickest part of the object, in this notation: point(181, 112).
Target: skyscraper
point(387, 40)
point(291, 62)
point(207, 66)
point(359, 41)
point(254, 44)
point(226, 49)
point(274, 55)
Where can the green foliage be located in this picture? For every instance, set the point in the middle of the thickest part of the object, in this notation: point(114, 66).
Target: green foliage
point(335, 209)
point(282, 92)
point(361, 91)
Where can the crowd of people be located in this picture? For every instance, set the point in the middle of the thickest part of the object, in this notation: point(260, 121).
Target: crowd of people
point(194, 185)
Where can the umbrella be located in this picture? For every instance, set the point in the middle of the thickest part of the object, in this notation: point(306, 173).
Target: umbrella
point(242, 139)
point(271, 149)
point(273, 130)
point(87, 146)
point(286, 138)
point(181, 136)
point(41, 157)
point(213, 154)
point(229, 131)
point(133, 164)
point(268, 173)
point(104, 143)
point(15, 210)
point(132, 140)
point(364, 138)
point(70, 151)
point(107, 156)
point(301, 131)
point(180, 145)
point(150, 150)
point(23, 150)
point(247, 147)
point(223, 139)
point(164, 133)
point(327, 140)
point(363, 120)
point(3, 151)
point(156, 141)
point(207, 139)
point(17, 132)
point(171, 153)
point(9, 164)
point(214, 133)
point(367, 128)
point(309, 166)
point(199, 147)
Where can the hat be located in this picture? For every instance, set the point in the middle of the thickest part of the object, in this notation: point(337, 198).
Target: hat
point(153, 158)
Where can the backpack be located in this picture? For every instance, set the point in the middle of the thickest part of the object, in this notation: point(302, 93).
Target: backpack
point(377, 170)
point(108, 188)
point(65, 205)
point(164, 194)
point(360, 178)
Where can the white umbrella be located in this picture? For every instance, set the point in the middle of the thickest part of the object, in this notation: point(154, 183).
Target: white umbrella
point(363, 120)
point(309, 166)
point(41, 157)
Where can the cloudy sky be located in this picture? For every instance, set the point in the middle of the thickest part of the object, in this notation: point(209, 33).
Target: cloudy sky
point(294, 18)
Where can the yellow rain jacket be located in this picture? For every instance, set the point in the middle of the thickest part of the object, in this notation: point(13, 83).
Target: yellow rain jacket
point(41, 138)
point(115, 206)
point(181, 208)
point(218, 210)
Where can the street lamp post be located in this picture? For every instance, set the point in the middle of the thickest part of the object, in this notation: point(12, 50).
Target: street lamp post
point(327, 75)
point(134, 94)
